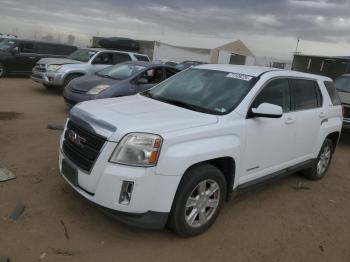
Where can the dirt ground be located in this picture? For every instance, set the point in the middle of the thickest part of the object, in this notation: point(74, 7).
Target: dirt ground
point(276, 223)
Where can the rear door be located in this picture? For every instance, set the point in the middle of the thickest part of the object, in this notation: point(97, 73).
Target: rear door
point(309, 113)
point(121, 57)
point(27, 57)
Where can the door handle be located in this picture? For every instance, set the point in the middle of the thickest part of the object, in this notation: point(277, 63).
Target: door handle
point(32, 57)
point(289, 120)
point(322, 115)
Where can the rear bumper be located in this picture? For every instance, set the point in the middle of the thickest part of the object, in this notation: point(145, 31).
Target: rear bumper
point(48, 78)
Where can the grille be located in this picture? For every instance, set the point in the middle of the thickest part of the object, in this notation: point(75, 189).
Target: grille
point(40, 67)
point(82, 147)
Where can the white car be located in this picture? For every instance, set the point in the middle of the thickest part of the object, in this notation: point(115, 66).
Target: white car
point(173, 154)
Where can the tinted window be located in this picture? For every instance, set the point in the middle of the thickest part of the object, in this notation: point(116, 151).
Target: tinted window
point(170, 72)
point(342, 84)
point(142, 58)
point(42, 48)
point(332, 93)
point(208, 91)
point(120, 58)
point(27, 47)
point(7, 44)
point(306, 94)
point(104, 59)
point(276, 92)
point(153, 76)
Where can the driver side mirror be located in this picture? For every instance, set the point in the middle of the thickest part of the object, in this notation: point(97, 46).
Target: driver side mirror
point(267, 110)
point(142, 81)
point(15, 50)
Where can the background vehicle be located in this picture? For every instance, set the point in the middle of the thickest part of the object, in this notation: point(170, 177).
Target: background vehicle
point(342, 85)
point(118, 80)
point(175, 153)
point(166, 62)
point(187, 64)
point(19, 56)
point(53, 73)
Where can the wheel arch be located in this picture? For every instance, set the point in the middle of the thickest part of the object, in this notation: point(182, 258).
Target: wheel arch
point(227, 166)
point(334, 137)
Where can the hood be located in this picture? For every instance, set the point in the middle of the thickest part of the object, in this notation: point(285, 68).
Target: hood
point(344, 97)
point(85, 83)
point(136, 114)
point(58, 61)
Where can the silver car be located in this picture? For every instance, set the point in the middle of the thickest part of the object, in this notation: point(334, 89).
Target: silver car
point(58, 72)
point(342, 85)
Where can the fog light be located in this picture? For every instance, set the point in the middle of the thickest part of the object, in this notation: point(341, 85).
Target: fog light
point(125, 192)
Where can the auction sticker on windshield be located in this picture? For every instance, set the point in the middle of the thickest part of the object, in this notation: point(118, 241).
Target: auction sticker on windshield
point(239, 76)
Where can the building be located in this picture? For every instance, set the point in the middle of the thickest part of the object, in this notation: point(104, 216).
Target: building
point(235, 52)
point(232, 53)
point(321, 65)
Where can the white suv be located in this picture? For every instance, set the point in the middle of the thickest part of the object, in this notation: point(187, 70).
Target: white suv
point(173, 154)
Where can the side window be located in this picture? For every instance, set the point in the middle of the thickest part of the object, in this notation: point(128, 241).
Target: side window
point(121, 57)
point(104, 59)
point(142, 58)
point(306, 94)
point(154, 75)
point(26, 47)
point(169, 72)
point(276, 92)
point(333, 94)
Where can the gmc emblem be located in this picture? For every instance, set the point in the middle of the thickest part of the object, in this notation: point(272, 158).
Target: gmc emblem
point(76, 139)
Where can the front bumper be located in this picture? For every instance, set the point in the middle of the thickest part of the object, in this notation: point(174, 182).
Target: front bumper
point(72, 98)
point(48, 78)
point(151, 198)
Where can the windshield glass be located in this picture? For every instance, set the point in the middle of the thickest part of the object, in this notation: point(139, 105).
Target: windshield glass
point(7, 44)
point(207, 91)
point(82, 55)
point(342, 84)
point(120, 71)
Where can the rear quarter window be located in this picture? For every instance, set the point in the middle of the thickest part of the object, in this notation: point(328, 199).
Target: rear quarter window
point(142, 58)
point(332, 92)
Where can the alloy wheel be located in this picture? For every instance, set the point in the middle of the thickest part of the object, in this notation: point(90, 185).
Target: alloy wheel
point(324, 159)
point(202, 203)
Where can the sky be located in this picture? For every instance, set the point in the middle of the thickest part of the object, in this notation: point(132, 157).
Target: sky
point(268, 27)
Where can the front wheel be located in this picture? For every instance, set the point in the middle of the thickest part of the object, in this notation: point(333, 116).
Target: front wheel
point(198, 200)
point(2, 70)
point(322, 162)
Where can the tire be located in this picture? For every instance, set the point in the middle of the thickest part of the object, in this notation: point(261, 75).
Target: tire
point(69, 78)
point(2, 70)
point(322, 162)
point(187, 221)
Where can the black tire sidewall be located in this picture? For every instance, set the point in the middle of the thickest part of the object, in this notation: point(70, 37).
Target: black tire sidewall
point(3, 70)
point(191, 179)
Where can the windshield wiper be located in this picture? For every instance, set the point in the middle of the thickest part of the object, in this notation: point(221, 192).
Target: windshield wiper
point(186, 105)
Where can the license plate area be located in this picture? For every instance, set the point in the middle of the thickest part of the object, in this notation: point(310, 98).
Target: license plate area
point(70, 172)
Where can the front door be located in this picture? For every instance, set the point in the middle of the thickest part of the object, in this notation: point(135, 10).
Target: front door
point(270, 141)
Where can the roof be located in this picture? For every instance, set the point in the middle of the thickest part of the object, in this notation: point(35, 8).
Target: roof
point(98, 49)
point(258, 70)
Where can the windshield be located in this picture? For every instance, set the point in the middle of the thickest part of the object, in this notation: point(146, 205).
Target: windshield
point(342, 84)
point(82, 55)
point(7, 44)
point(202, 90)
point(120, 71)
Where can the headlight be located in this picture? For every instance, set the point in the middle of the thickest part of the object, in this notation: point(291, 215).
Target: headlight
point(138, 149)
point(54, 67)
point(97, 89)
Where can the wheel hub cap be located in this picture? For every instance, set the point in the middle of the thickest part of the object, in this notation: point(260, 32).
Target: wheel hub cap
point(202, 203)
point(323, 162)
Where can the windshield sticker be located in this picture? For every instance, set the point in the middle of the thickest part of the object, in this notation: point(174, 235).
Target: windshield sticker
point(239, 76)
